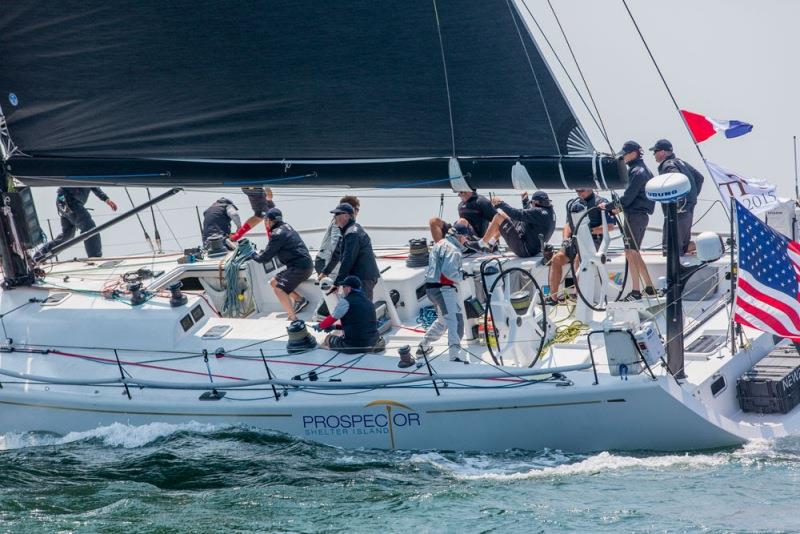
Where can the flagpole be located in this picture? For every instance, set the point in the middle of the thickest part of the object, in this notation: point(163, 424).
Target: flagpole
point(664, 81)
point(796, 189)
point(734, 273)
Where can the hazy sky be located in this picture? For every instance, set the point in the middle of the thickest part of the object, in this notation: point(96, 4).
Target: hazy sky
point(729, 59)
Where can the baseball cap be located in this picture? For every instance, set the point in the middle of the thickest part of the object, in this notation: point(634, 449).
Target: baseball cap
point(540, 196)
point(629, 146)
point(661, 144)
point(352, 280)
point(274, 214)
point(344, 207)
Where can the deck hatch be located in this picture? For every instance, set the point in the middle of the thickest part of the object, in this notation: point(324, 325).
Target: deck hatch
point(706, 343)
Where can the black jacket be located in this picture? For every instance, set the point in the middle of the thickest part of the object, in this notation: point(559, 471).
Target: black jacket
point(537, 220)
point(634, 197)
point(216, 219)
point(354, 255)
point(576, 207)
point(79, 195)
point(360, 324)
point(478, 212)
point(288, 246)
point(674, 164)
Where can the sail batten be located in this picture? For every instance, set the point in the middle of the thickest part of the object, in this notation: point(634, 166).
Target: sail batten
point(275, 80)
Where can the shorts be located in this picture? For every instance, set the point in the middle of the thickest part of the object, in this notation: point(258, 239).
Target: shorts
point(472, 234)
point(634, 228)
point(258, 200)
point(515, 236)
point(291, 277)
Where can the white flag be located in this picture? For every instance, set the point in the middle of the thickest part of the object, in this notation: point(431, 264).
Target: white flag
point(756, 195)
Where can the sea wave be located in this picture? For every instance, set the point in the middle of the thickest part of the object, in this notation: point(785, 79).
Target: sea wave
point(114, 435)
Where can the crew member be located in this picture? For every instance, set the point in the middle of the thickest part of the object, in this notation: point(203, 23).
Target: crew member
point(333, 234)
point(71, 206)
point(636, 208)
point(287, 245)
point(473, 209)
point(668, 162)
point(260, 199)
point(218, 217)
point(353, 253)
point(586, 200)
point(444, 269)
point(522, 228)
point(359, 322)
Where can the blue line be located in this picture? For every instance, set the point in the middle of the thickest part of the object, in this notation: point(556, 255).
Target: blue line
point(412, 184)
point(257, 181)
point(112, 176)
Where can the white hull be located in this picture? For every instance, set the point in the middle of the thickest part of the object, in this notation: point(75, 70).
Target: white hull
point(75, 339)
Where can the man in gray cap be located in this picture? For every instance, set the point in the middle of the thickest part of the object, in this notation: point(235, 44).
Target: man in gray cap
point(667, 163)
point(287, 245)
point(636, 208)
point(353, 253)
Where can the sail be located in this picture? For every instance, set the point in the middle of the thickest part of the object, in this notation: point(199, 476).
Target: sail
point(355, 92)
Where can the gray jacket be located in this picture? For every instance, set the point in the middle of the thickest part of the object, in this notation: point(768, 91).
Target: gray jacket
point(444, 260)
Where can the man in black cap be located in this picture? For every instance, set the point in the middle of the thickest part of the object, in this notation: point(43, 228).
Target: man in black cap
point(636, 208)
point(586, 200)
point(474, 210)
point(667, 163)
point(218, 217)
point(353, 252)
point(260, 199)
point(287, 245)
point(71, 206)
point(524, 230)
point(359, 322)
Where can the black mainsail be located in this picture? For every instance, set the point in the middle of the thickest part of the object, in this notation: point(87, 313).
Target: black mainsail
point(302, 92)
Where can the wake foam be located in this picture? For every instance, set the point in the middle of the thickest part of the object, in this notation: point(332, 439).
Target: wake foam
point(555, 464)
point(115, 435)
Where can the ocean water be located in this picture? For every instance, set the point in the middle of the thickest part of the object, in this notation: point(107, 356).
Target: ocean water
point(203, 478)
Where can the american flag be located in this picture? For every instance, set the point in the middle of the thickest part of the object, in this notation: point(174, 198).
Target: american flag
point(768, 285)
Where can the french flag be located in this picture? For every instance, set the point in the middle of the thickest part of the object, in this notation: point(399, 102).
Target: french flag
point(703, 127)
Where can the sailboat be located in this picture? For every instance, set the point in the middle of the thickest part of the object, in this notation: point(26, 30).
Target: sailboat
point(420, 94)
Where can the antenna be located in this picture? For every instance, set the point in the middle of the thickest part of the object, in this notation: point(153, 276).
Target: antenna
point(796, 187)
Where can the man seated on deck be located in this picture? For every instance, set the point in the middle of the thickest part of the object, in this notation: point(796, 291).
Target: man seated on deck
point(260, 199)
point(524, 230)
point(473, 210)
point(218, 217)
point(586, 200)
point(287, 245)
point(359, 322)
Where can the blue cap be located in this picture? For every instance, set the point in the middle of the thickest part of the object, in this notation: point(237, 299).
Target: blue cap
point(628, 147)
point(344, 207)
point(274, 214)
point(352, 280)
point(662, 144)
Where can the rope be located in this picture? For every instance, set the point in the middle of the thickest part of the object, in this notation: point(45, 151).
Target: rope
point(538, 85)
point(426, 317)
point(234, 304)
point(566, 334)
point(602, 125)
point(446, 80)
